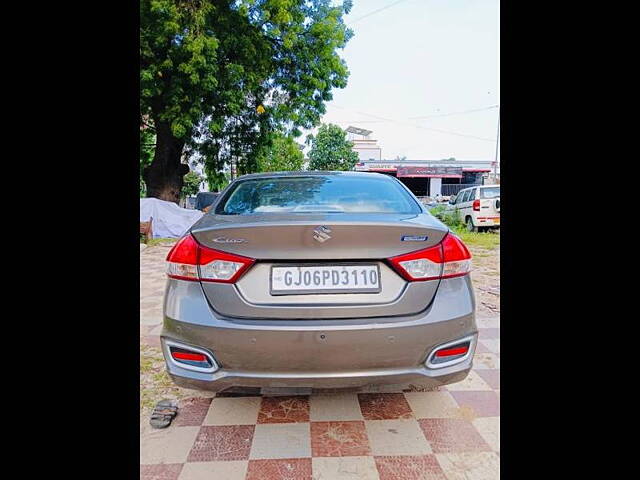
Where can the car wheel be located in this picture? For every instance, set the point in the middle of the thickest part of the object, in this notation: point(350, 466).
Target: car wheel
point(470, 227)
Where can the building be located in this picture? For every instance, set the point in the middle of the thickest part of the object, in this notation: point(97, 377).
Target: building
point(366, 147)
point(433, 177)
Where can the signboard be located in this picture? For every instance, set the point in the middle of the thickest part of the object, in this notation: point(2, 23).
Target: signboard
point(435, 172)
point(375, 166)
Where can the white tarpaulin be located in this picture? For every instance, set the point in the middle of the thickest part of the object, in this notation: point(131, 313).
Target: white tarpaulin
point(169, 220)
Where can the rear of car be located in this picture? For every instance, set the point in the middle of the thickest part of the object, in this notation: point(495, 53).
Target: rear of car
point(318, 280)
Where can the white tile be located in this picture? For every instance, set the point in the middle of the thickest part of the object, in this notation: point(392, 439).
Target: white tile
point(169, 445)
point(344, 468)
point(233, 411)
point(281, 440)
point(396, 437)
point(470, 466)
point(335, 407)
point(489, 429)
point(232, 470)
point(432, 404)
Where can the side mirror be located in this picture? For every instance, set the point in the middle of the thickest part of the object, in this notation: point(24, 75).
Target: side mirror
point(452, 200)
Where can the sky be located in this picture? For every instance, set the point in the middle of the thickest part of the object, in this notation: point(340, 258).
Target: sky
point(423, 58)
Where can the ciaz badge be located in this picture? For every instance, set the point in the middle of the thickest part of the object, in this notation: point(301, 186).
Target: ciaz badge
point(413, 238)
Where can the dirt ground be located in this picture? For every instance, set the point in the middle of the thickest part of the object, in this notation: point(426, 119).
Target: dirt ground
point(156, 385)
point(486, 280)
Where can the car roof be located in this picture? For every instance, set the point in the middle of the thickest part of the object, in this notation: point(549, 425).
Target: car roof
point(309, 173)
point(479, 186)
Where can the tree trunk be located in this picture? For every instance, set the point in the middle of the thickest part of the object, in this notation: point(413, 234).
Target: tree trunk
point(163, 176)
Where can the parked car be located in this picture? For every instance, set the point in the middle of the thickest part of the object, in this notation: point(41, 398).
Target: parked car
point(204, 200)
point(478, 207)
point(318, 280)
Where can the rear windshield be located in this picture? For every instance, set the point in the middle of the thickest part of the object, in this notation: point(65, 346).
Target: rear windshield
point(490, 192)
point(334, 193)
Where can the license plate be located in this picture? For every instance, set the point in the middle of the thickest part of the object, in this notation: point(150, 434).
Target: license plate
point(306, 279)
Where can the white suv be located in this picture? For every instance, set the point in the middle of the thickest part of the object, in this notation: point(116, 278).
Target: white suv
point(478, 207)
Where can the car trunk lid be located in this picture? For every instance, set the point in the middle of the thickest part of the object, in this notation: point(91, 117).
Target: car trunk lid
point(319, 239)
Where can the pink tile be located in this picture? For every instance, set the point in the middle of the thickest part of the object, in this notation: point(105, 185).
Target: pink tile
point(339, 439)
point(483, 403)
point(492, 377)
point(191, 412)
point(228, 442)
point(489, 333)
point(165, 471)
point(452, 435)
point(384, 406)
point(281, 469)
point(421, 467)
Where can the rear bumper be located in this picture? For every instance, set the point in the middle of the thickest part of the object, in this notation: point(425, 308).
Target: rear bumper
point(344, 353)
point(222, 380)
point(491, 220)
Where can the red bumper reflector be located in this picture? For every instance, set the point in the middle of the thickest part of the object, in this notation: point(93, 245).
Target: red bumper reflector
point(450, 352)
point(194, 357)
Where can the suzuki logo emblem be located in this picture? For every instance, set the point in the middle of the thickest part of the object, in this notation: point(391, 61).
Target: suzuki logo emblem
point(321, 234)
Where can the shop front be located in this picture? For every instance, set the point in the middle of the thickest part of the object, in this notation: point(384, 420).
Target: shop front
point(426, 178)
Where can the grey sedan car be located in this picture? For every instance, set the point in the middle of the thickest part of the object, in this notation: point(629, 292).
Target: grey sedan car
point(318, 280)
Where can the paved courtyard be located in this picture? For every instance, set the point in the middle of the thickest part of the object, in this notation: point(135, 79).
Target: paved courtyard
point(451, 433)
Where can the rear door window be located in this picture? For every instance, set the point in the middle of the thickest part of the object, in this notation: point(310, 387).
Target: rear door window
point(490, 192)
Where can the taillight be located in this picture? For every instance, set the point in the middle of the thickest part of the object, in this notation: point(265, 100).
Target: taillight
point(450, 258)
point(476, 205)
point(188, 260)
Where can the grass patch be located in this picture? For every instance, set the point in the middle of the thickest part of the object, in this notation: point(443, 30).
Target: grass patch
point(152, 242)
point(155, 383)
point(488, 240)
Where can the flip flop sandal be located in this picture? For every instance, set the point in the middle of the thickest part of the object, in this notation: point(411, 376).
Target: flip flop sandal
point(160, 421)
point(163, 414)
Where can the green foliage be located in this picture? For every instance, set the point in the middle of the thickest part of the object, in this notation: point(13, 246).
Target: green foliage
point(217, 181)
point(207, 65)
point(330, 149)
point(147, 146)
point(451, 218)
point(283, 155)
point(191, 185)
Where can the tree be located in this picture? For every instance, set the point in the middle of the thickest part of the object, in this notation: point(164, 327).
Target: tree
point(147, 145)
point(283, 155)
point(330, 149)
point(219, 77)
point(191, 184)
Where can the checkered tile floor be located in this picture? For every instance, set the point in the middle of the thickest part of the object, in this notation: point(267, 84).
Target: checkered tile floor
point(452, 433)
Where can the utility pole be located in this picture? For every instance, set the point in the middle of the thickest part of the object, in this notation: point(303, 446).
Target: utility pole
point(495, 163)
